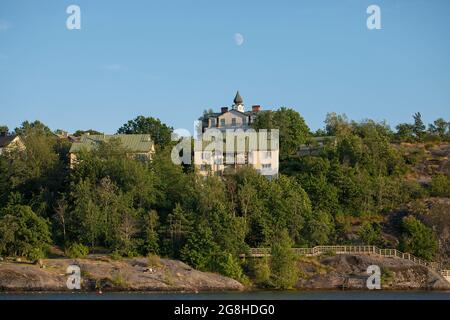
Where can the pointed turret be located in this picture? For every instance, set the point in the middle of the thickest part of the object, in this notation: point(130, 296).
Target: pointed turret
point(238, 102)
point(238, 99)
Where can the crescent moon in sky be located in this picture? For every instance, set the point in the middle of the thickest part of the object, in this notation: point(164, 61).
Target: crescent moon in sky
point(238, 39)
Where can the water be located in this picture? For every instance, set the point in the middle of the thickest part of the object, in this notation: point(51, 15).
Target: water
point(253, 295)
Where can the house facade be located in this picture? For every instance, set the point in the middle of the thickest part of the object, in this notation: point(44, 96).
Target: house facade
point(231, 118)
point(140, 146)
point(215, 155)
point(9, 143)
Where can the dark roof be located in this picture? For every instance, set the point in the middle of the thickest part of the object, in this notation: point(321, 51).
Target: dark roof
point(238, 98)
point(6, 140)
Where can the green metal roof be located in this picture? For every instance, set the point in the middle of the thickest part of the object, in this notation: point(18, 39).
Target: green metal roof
point(132, 142)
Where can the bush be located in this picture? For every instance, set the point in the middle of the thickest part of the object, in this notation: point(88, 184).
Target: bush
point(261, 271)
point(23, 232)
point(227, 265)
point(418, 239)
point(115, 255)
point(77, 250)
point(440, 186)
point(154, 261)
point(369, 233)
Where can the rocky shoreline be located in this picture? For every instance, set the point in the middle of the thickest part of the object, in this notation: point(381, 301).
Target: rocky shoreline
point(103, 273)
point(347, 272)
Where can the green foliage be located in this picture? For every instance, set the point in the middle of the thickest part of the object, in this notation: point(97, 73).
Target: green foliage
point(320, 228)
point(79, 133)
point(262, 272)
point(129, 207)
point(76, 250)
point(178, 226)
point(33, 128)
point(284, 270)
point(292, 126)
point(229, 266)
point(200, 248)
point(23, 233)
point(151, 237)
point(154, 261)
point(160, 133)
point(419, 126)
point(4, 130)
point(370, 233)
point(418, 239)
point(440, 185)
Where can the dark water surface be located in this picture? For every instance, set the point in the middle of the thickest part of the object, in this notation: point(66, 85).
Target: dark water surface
point(254, 295)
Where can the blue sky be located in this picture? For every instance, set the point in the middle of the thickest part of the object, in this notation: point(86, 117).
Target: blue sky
point(173, 59)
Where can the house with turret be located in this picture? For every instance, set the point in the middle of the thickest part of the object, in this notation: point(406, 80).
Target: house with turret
point(258, 151)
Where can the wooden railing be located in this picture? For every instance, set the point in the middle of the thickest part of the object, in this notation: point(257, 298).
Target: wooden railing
point(261, 252)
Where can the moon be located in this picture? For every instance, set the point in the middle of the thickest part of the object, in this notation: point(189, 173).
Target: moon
point(238, 39)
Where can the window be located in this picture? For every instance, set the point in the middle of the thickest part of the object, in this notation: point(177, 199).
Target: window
point(268, 154)
point(222, 122)
point(213, 122)
point(233, 122)
point(267, 166)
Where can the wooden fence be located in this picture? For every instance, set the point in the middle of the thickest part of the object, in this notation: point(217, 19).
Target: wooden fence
point(391, 253)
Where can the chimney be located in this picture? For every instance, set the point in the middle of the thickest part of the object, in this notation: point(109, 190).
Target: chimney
point(224, 109)
point(256, 108)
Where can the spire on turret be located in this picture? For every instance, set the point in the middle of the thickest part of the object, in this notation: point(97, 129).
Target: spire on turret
point(238, 102)
point(238, 99)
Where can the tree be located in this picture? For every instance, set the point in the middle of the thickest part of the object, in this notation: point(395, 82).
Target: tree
point(418, 126)
point(178, 226)
point(370, 233)
point(440, 185)
point(405, 132)
point(200, 248)
point(160, 133)
point(320, 228)
point(35, 127)
point(151, 237)
point(336, 124)
point(4, 130)
point(418, 239)
point(79, 133)
point(284, 272)
point(61, 216)
point(23, 233)
point(293, 129)
point(439, 127)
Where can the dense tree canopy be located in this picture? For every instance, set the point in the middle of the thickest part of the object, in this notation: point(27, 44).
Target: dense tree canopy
point(345, 193)
point(160, 132)
point(292, 126)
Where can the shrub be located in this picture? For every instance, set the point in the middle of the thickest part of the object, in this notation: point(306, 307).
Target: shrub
point(440, 186)
point(154, 261)
point(77, 250)
point(418, 239)
point(370, 233)
point(115, 255)
point(261, 270)
point(227, 265)
point(23, 232)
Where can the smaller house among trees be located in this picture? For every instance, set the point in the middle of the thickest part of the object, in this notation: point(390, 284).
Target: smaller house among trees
point(9, 143)
point(140, 146)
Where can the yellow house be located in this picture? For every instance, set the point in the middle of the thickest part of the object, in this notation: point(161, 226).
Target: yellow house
point(9, 143)
point(228, 158)
point(140, 146)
